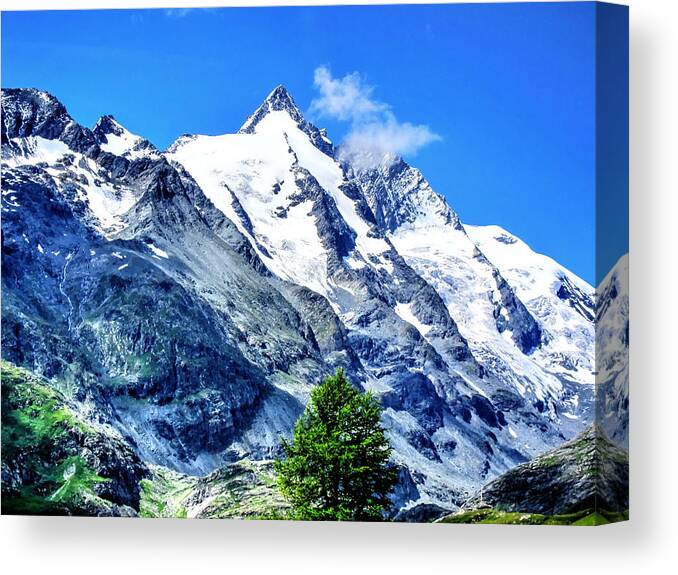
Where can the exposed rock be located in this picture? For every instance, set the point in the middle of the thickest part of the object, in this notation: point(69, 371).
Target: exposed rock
point(587, 473)
point(421, 513)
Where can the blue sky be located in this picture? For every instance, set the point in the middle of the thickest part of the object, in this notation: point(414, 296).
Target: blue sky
point(507, 89)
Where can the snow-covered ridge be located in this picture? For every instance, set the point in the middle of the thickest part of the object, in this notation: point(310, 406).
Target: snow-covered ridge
point(87, 182)
point(562, 302)
point(262, 172)
point(115, 139)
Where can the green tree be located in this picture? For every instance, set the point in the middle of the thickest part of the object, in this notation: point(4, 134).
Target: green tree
point(336, 467)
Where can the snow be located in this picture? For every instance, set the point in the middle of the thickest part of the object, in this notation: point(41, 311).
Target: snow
point(125, 143)
point(36, 150)
point(445, 256)
point(353, 263)
point(536, 279)
point(158, 252)
point(248, 167)
point(106, 203)
point(404, 312)
point(40, 249)
point(245, 168)
point(533, 273)
point(120, 145)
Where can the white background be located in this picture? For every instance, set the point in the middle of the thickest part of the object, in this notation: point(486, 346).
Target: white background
point(646, 544)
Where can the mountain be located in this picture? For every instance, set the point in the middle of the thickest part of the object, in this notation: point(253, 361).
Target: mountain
point(190, 299)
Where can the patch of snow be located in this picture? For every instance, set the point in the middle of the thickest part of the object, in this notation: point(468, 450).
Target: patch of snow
point(404, 312)
point(157, 251)
point(37, 150)
point(354, 263)
point(124, 143)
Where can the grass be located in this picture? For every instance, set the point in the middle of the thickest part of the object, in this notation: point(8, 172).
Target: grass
point(36, 428)
point(165, 494)
point(498, 517)
point(239, 491)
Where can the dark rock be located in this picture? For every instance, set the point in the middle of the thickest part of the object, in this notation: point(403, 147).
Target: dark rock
point(588, 472)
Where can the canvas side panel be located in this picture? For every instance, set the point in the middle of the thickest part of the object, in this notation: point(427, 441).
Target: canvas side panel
point(612, 245)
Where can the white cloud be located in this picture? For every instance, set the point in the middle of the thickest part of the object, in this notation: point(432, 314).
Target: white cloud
point(376, 135)
point(376, 142)
point(346, 98)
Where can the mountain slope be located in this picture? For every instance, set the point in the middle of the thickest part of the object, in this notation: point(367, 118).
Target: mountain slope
point(56, 461)
point(588, 473)
point(542, 350)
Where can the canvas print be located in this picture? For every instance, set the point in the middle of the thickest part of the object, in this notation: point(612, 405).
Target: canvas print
point(362, 263)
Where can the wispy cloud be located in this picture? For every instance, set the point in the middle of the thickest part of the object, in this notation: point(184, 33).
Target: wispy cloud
point(376, 135)
point(346, 98)
point(178, 12)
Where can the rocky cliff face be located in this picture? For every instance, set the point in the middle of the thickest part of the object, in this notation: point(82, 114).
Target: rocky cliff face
point(191, 299)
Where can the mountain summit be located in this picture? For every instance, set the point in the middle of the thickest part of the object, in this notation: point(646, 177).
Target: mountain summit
point(280, 100)
point(114, 138)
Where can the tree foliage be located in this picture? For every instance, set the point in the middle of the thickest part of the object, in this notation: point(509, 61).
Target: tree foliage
point(337, 465)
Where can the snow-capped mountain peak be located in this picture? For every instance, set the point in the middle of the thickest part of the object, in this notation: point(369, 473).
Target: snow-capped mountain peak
point(280, 100)
point(114, 138)
point(294, 199)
